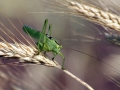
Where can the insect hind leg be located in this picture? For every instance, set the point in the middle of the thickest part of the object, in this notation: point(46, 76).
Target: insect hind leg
point(45, 26)
point(42, 39)
point(49, 32)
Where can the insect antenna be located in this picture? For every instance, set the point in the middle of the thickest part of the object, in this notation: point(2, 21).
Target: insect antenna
point(116, 70)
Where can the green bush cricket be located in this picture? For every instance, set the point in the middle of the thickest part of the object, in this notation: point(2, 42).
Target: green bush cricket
point(45, 42)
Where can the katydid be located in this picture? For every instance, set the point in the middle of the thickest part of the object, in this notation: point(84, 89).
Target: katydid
point(45, 42)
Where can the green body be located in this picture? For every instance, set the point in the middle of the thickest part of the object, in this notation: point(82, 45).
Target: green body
point(45, 42)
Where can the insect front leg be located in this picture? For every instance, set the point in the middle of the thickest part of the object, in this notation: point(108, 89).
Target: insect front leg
point(39, 47)
point(54, 56)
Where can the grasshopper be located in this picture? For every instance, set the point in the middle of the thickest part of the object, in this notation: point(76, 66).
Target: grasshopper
point(45, 42)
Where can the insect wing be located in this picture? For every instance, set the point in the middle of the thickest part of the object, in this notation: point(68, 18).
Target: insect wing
point(32, 32)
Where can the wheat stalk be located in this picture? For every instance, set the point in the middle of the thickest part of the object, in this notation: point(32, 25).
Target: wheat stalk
point(27, 54)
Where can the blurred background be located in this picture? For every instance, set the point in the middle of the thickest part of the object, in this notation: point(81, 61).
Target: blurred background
point(102, 71)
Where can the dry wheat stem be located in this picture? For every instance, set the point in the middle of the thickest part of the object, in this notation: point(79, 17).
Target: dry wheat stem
point(78, 79)
point(96, 15)
point(27, 54)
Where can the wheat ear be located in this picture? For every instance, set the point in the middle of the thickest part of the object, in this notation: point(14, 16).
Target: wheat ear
point(95, 14)
point(25, 54)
